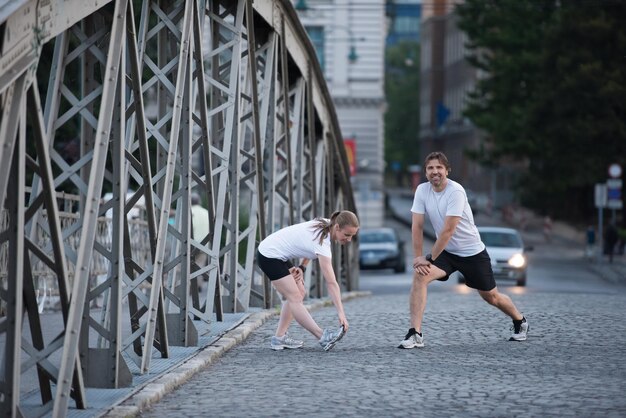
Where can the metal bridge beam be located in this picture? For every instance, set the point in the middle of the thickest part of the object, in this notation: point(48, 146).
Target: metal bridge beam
point(142, 109)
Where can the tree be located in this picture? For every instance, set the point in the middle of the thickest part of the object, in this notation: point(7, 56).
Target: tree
point(505, 38)
point(402, 93)
point(579, 119)
point(552, 96)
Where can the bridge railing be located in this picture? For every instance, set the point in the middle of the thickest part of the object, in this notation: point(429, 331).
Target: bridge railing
point(124, 103)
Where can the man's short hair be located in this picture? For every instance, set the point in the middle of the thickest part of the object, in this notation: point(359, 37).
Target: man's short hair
point(438, 155)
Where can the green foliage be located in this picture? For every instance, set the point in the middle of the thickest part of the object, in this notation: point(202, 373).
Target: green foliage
point(402, 92)
point(553, 96)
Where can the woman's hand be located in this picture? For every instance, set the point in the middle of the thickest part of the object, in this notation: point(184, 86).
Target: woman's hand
point(333, 288)
point(297, 275)
point(344, 322)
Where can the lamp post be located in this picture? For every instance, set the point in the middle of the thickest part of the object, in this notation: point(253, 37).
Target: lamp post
point(356, 82)
point(353, 56)
point(305, 11)
point(301, 6)
point(364, 190)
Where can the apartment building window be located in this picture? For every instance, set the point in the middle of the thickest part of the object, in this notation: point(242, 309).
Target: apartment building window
point(406, 25)
point(316, 34)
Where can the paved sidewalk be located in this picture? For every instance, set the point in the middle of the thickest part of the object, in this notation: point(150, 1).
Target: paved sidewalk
point(467, 369)
point(564, 235)
point(571, 365)
point(147, 394)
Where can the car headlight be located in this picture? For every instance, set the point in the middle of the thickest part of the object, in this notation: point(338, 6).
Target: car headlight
point(517, 261)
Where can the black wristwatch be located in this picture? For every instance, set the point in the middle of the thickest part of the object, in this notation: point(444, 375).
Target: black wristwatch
point(429, 257)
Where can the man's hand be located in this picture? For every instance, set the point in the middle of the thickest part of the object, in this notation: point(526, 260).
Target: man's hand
point(421, 265)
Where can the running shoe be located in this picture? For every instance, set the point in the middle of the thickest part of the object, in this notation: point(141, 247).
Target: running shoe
point(330, 337)
point(520, 332)
point(280, 343)
point(412, 340)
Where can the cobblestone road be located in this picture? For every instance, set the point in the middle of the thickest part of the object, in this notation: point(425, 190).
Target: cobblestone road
point(573, 364)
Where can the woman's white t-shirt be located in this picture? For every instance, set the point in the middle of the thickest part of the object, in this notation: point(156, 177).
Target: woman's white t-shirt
point(296, 241)
point(452, 201)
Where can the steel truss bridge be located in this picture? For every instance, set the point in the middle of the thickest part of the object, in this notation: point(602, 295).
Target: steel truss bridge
point(112, 114)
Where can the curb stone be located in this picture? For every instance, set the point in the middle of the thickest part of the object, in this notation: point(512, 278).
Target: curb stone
point(152, 392)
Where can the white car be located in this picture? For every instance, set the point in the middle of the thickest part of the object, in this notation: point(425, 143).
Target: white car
point(505, 246)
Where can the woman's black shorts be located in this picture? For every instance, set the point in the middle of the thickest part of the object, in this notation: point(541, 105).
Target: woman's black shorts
point(273, 267)
point(476, 269)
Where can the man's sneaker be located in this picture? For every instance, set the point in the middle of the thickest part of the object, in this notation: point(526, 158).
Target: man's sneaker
point(280, 343)
point(412, 340)
point(330, 337)
point(520, 331)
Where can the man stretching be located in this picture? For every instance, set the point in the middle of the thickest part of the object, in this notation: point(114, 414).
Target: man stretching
point(458, 248)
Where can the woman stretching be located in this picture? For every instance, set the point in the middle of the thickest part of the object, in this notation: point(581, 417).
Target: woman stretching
point(305, 241)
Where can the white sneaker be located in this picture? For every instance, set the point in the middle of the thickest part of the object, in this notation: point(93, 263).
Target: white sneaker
point(412, 341)
point(521, 333)
point(280, 343)
point(330, 337)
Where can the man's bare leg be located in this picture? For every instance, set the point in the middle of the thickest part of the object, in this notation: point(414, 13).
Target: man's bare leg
point(502, 302)
point(419, 293)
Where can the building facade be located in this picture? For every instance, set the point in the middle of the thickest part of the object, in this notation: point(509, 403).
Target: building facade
point(404, 21)
point(446, 79)
point(350, 42)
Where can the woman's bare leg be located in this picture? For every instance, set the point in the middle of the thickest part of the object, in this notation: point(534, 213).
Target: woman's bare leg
point(288, 288)
point(285, 313)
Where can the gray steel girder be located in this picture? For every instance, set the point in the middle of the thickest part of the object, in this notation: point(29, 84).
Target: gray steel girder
point(220, 98)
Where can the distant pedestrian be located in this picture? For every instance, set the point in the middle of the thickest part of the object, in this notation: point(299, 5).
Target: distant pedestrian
point(305, 241)
point(458, 248)
point(610, 239)
point(547, 228)
point(199, 218)
point(591, 242)
point(200, 230)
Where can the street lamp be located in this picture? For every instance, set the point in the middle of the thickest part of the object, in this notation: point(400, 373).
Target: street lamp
point(353, 56)
point(301, 6)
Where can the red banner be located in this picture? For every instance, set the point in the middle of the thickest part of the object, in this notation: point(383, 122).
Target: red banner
point(350, 145)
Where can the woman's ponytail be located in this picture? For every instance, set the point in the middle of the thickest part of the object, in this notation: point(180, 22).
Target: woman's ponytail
point(343, 218)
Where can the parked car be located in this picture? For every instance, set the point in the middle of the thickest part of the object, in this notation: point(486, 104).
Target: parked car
point(381, 248)
point(480, 202)
point(506, 248)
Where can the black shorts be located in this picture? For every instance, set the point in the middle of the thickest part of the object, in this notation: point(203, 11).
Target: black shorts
point(273, 267)
point(476, 269)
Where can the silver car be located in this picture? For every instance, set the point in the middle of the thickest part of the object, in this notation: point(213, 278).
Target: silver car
point(381, 248)
point(507, 251)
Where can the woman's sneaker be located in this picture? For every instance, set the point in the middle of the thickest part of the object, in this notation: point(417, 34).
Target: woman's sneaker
point(280, 343)
point(520, 332)
point(330, 337)
point(412, 340)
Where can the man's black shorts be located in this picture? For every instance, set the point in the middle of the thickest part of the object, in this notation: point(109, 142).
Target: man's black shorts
point(476, 269)
point(273, 267)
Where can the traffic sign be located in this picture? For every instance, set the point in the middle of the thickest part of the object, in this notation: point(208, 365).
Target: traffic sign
point(614, 193)
point(615, 170)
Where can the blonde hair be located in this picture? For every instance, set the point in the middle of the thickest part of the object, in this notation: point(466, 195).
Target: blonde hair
point(343, 219)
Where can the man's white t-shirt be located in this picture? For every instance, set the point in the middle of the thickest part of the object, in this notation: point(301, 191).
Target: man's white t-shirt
point(452, 201)
point(296, 241)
